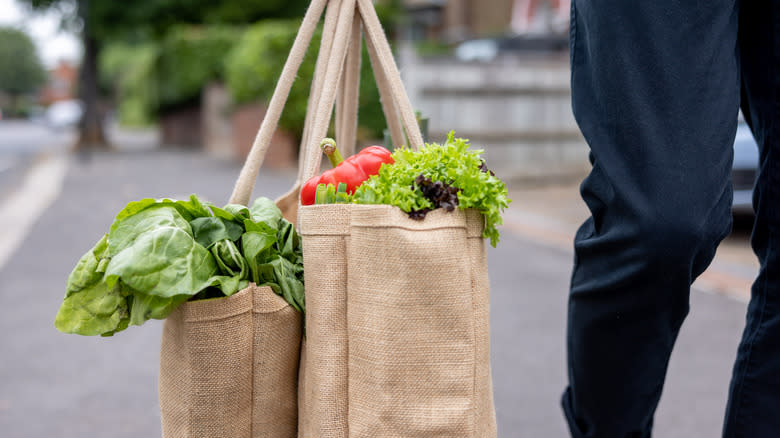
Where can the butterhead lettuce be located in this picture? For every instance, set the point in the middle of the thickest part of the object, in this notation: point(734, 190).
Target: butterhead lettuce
point(160, 253)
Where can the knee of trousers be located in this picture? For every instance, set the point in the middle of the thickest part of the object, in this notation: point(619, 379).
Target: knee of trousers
point(681, 240)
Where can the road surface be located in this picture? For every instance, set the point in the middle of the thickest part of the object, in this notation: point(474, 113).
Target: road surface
point(68, 386)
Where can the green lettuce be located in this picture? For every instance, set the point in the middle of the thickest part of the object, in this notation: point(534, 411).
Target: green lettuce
point(160, 253)
point(453, 164)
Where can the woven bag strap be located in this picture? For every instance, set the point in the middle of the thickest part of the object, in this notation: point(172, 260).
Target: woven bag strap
point(341, 34)
point(389, 77)
point(326, 44)
point(382, 57)
point(243, 188)
point(349, 92)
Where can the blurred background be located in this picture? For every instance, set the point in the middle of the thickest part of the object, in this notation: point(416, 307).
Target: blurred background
point(198, 74)
point(106, 102)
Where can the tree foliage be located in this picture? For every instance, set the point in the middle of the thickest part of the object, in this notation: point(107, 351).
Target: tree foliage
point(253, 67)
point(21, 70)
point(188, 58)
point(111, 20)
point(174, 47)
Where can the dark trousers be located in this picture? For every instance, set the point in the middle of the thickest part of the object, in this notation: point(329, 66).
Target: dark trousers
point(656, 88)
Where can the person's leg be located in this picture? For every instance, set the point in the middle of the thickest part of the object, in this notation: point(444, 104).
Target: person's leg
point(755, 387)
point(655, 91)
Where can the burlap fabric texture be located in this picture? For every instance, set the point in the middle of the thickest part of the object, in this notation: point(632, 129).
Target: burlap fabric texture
point(397, 324)
point(229, 367)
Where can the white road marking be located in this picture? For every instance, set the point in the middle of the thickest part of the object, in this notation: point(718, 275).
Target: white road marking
point(24, 206)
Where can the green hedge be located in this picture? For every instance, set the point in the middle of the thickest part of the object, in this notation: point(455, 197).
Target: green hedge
point(154, 77)
point(189, 57)
point(128, 71)
point(255, 63)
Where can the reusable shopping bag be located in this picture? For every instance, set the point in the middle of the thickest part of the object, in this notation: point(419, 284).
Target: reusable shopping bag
point(397, 323)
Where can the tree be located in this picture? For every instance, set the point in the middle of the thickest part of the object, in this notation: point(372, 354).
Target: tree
point(100, 22)
point(21, 71)
point(86, 15)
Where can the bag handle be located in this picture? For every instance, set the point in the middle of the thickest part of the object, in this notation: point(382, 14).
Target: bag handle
point(331, 60)
point(324, 107)
point(375, 37)
point(326, 44)
point(377, 43)
point(386, 99)
point(348, 106)
point(243, 188)
point(348, 99)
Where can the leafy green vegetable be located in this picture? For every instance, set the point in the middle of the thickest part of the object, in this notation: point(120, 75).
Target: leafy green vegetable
point(265, 211)
point(228, 284)
point(192, 208)
point(441, 195)
point(93, 310)
point(329, 194)
point(229, 258)
point(160, 253)
point(258, 240)
point(453, 164)
point(210, 230)
point(145, 307)
point(287, 276)
point(124, 231)
point(87, 271)
point(163, 262)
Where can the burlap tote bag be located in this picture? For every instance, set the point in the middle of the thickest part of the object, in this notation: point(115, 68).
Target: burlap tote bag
point(229, 366)
point(397, 324)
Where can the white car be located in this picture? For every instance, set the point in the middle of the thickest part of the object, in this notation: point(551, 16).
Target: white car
point(64, 114)
point(480, 50)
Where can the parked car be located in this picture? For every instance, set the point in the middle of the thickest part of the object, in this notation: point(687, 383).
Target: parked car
point(488, 49)
point(64, 114)
point(744, 170)
point(482, 50)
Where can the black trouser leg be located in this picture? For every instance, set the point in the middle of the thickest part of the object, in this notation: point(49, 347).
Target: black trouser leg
point(655, 91)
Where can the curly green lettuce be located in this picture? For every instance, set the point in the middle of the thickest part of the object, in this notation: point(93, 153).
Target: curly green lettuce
point(454, 164)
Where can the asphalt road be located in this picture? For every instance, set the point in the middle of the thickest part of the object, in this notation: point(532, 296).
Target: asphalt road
point(21, 142)
point(68, 386)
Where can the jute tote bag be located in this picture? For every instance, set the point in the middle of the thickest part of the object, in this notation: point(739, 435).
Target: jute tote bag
point(229, 366)
point(397, 337)
point(397, 334)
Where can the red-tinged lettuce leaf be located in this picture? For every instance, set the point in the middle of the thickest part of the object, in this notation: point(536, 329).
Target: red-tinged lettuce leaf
point(452, 163)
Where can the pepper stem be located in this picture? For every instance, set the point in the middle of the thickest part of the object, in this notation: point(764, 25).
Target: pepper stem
point(328, 146)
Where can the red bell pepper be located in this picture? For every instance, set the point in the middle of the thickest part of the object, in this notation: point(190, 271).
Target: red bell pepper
point(352, 171)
